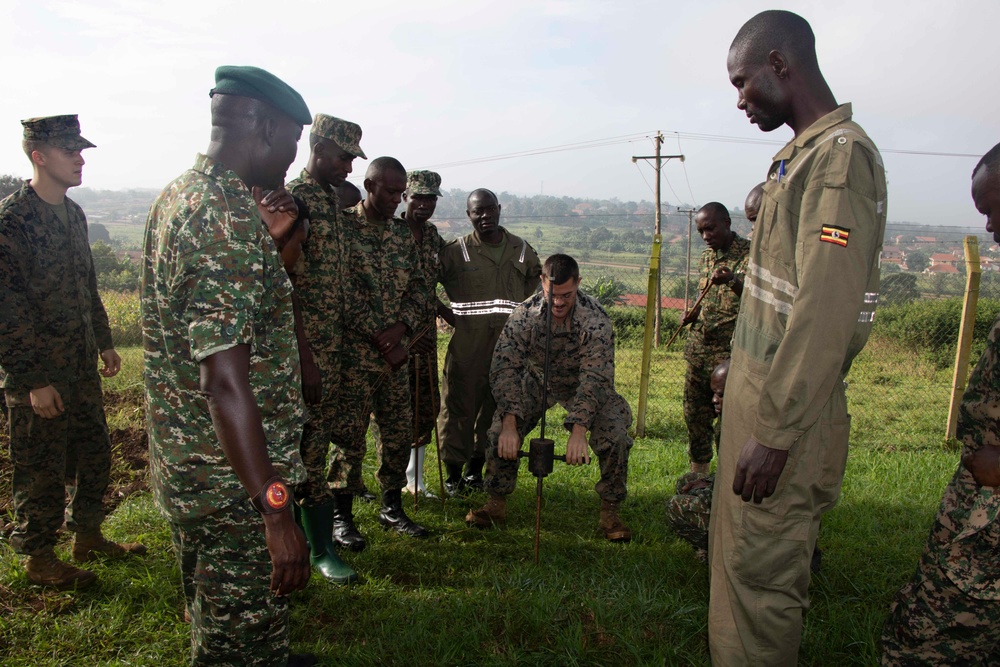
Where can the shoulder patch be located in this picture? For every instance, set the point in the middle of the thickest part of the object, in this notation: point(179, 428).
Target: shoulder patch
point(834, 234)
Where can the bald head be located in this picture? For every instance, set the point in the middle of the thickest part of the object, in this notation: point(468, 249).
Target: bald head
point(752, 205)
point(776, 30)
point(483, 197)
point(990, 162)
point(380, 167)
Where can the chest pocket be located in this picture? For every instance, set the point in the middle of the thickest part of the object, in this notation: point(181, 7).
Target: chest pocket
point(777, 225)
point(514, 279)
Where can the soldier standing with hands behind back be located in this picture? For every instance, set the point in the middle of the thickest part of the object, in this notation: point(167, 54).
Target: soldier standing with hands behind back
point(53, 328)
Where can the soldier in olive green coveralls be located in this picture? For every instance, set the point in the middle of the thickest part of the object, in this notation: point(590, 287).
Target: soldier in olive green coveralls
point(807, 309)
point(486, 274)
point(948, 613)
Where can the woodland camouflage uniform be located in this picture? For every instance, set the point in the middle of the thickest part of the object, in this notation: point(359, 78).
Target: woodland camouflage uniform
point(949, 612)
point(53, 327)
point(708, 344)
point(212, 280)
point(383, 288)
point(319, 283)
point(581, 379)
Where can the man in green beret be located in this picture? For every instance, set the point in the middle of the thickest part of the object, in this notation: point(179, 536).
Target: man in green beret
point(222, 382)
point(53, 329)
point(319, 293)
point(422, 191)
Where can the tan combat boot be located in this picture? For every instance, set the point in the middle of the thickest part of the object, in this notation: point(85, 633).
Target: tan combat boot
point(701, 468)
point(611, 525)
point(90, 546)
point(47, 570)
point(494, 511)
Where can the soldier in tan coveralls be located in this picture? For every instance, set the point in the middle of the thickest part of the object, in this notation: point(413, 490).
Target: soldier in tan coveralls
point(581, 379)
point(949, 612)
point(53, 329)
point(318, 279)
point(807, 308)
point(723, 264)
point(485, 274)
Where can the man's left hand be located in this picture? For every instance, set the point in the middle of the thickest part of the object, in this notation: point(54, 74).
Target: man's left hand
point(112, 363)
point(758, 470)
point(722, 275)
point(577, 451)
point(984, 464)
point(390, 337)
point(277, 209)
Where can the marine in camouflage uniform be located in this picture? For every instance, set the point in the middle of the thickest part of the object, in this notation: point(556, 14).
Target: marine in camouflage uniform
point(213, 281)
point(53, 329)
point(422, 190)
point(386, 292)
point(581, 379)
point(708, 343)
point(949, 612)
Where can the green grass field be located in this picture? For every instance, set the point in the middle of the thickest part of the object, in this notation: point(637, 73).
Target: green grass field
point(470, 597)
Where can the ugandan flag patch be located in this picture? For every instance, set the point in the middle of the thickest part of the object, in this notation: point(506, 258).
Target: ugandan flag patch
point(834, 234)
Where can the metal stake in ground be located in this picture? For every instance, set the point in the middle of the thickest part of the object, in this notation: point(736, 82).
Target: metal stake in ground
point(416, 432)
point(437, 437)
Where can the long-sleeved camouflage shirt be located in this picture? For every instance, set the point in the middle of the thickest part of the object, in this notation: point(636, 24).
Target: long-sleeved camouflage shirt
point(581, 366)
point(52, 322)
point(428, 250)
point(721, 305)
point(212, 279)
point(319, 273)
point(383, 282)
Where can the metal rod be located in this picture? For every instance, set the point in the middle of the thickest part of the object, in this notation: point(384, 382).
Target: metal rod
point(548, 352)
point(416, 432)
point(437, 438)
point(538, 516)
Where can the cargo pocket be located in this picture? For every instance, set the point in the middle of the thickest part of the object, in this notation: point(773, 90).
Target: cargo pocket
point(835, 435)
point(770, 550)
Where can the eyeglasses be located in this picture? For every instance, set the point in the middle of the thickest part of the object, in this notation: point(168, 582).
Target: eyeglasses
point(564, 298)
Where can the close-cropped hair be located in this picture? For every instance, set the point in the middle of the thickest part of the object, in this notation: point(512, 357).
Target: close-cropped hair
point(560, 268)
point(991, 161)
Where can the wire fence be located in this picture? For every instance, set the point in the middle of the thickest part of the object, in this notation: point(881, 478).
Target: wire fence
point(907, 366)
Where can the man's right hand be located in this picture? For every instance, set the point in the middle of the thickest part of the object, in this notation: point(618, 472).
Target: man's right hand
point(289, 553)
point(691, 316)
point(422, 345)
point(312, 382)
point(395, 356)
point(46, 402)
point(509, 442)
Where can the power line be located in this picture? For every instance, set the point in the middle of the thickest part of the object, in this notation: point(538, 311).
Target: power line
point(722, 138)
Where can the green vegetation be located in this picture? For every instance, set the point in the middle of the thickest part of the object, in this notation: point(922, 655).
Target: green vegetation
point(469, 597)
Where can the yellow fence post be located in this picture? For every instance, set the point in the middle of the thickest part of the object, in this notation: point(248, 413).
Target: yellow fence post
point(965, 331)
point(647, 335)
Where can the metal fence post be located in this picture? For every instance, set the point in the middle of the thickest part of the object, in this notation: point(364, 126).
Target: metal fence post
point(647, 336)
point(965, 331)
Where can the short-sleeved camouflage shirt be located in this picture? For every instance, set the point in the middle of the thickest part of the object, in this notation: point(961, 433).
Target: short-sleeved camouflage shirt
point(212, 279)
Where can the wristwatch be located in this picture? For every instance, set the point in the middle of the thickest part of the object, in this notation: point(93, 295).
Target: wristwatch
point(273, 497)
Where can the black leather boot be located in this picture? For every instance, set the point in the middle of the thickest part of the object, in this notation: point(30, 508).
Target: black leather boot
point(454, 484)
point(393, 516)
point(345, 533)
point(474, 473)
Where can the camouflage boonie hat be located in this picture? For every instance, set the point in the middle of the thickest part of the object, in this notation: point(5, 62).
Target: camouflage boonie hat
point(344, 133)
point(59, 131)
point(423, 183)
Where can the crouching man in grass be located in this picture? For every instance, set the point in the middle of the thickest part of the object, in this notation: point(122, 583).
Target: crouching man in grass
point(581, 379)
point(53, 328)
point(222, 383)
point(949, 612)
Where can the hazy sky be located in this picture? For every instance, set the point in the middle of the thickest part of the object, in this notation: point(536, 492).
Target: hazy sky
point(437, 82)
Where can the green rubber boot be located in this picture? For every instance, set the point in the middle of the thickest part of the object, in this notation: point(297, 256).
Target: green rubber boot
point(317, 524)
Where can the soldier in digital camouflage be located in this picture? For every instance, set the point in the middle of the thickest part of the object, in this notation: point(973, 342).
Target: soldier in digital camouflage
point(222, 381)
point(318, 279)
point(53, 330)
point(581, 379)
point(422, 191)
point(723, 265)
point(949, 612)
point(385, 309)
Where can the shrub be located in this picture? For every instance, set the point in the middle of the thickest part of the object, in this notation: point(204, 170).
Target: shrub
point(931, 326)
point(629, 323)
point(124, 316)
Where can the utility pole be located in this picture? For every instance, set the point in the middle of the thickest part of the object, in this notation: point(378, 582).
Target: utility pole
point(657, 165)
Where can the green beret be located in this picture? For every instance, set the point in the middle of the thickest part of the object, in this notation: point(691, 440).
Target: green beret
point(58, 131)
point(423, 183)
point(260, 84)
point(344, 133)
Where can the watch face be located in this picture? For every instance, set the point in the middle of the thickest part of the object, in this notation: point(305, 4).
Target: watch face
point(276, 496)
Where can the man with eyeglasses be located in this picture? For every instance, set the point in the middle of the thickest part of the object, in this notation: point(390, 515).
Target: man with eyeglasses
point(486, 274)
point(581, 379)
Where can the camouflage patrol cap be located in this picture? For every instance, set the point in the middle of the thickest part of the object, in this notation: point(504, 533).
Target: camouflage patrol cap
point(423, 183)
point(58, 131)
point(260, 84)
point(344, 133)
